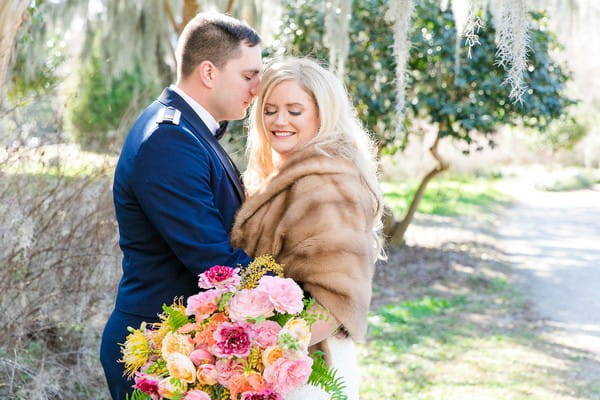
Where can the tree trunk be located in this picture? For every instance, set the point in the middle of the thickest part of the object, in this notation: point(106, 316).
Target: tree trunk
point(12, 15)
point(398, 228)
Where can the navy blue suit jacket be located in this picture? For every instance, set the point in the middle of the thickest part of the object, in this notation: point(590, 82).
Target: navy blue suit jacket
point(176, 192)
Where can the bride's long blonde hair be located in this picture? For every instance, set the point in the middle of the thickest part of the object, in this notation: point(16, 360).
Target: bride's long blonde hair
point(339, 129)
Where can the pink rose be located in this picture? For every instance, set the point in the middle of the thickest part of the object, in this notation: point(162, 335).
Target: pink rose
point(287, 375)
point(203, 304)
point(220, 277)
point(266, 334)
point(207, 374)
point(196, 394)
point(147, 384)
point(227, 370)
point(284, 293)
point(264, 395)
point(250, 303)
point(232, 339)
point(201, 356)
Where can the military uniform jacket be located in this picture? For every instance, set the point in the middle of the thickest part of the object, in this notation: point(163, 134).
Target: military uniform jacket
point(175, 193)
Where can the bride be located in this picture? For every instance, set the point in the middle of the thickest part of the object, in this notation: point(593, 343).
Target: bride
point(315, 203)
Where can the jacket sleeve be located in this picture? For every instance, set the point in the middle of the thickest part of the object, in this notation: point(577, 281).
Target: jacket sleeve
point(172, 182)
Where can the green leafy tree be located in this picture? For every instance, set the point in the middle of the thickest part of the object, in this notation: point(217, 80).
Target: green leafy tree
point(100, 108)
point(461, 106)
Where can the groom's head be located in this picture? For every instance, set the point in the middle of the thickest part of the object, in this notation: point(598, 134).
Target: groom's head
point(218, 64)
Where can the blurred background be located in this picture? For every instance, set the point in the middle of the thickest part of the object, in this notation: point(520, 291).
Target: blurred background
point(75, 74)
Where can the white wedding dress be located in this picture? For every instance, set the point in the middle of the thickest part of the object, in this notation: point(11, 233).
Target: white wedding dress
point(343, 359)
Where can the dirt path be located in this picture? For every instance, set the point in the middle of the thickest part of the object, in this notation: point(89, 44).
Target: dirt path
point(553, 242)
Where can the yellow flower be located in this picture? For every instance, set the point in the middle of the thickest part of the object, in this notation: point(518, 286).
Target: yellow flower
point(175, 343)
point(135, 351)
point(181, 367)
point(257, 268)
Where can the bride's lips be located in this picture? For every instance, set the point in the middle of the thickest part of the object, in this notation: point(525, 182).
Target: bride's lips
point(283, 133)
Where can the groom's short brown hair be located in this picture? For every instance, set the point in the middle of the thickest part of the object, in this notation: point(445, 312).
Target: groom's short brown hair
point(214, 37)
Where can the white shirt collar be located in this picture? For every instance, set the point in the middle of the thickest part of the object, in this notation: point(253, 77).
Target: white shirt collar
point(209, 120)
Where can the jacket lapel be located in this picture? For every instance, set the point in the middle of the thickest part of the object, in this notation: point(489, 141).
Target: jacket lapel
point(201, 132)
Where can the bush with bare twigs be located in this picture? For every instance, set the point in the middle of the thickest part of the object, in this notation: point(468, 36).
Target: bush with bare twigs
point(60, 265)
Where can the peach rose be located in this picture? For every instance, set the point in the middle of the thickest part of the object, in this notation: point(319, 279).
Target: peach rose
point(207, 374)
point(174, 343)
point(299, 331)
point(271, 354)
point(171, 387)
point(181, 367)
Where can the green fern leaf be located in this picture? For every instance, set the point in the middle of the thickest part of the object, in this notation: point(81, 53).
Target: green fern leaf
point(138, 395)
point(326, 378)
point(175, 318)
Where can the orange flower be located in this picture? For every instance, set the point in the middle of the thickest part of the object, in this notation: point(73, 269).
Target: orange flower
point(205, 337)
point(248, 382)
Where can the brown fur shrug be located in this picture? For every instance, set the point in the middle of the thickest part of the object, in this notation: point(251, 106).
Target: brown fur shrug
point(316, 218)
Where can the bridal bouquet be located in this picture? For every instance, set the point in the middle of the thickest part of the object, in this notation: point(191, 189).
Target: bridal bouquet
point(245, 337)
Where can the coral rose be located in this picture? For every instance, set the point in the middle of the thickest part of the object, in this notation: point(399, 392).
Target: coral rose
point(203, 304)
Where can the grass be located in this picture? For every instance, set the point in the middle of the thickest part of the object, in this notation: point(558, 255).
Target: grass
point(447, 195)
point(463, 331)
point(54, 162)
point(436, 348)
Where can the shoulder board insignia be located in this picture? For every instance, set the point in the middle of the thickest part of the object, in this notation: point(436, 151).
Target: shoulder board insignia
point(168, 115)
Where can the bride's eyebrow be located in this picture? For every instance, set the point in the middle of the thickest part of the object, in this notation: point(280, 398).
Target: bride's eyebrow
point(287, 105)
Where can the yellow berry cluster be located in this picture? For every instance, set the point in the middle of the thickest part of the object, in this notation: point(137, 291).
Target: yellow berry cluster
point(257, 268)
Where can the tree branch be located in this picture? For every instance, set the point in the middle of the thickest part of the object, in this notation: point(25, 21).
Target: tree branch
point(171, 16)
point(396, 234)
point(229, 7)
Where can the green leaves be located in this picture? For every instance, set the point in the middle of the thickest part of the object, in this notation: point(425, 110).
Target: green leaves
point(475, 100)
point(326, 378)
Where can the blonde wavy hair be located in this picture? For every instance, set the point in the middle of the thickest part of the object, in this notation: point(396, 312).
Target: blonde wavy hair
point(339, 129)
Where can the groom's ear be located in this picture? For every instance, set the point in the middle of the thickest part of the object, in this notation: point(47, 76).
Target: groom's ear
point(206, 73)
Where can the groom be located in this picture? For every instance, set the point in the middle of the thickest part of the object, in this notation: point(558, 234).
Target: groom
point(176, 191)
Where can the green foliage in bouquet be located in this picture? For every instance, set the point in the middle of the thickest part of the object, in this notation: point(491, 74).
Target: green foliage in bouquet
point(326, 378)
point(174, 316)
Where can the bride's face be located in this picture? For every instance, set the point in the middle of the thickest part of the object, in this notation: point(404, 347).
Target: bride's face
point(290, 117)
